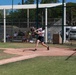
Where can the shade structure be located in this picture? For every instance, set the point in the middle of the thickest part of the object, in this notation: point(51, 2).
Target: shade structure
point(30, 6)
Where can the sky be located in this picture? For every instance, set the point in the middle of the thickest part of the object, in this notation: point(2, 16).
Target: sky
point(9, 2)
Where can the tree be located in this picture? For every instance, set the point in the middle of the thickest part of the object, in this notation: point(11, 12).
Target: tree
point(49, 1)
point(71, 13)
point(29, 1)
point(1, 13)
point(42, 11)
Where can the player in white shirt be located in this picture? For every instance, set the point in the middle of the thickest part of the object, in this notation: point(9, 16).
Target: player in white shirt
point(40, 38)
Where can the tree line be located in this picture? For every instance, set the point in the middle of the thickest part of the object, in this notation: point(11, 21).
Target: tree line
point(54, 12)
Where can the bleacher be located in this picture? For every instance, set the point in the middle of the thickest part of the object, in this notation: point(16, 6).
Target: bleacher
point(17, 39)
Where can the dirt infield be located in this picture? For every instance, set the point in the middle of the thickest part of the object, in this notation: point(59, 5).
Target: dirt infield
point(26, 53)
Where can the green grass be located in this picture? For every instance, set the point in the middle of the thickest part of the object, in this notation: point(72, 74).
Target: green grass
point(31, 45)
point(41, 66)
point(6, 55)
point(16, 45)
point(38, 65)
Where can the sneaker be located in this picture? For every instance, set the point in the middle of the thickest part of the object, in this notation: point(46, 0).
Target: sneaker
point(48, 48)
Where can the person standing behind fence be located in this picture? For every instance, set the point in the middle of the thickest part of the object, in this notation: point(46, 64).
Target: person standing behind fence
point(15, 34)
point(40, 38)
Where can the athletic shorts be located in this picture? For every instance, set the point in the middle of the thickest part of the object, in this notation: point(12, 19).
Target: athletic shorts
point(41, 38)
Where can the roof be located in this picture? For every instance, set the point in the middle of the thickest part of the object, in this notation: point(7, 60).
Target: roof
point(29, 6)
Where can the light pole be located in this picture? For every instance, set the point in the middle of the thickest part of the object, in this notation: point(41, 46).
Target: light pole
point(12, 5)
point(12, 21)
point(63, 1)
point(22, 2)
point(37, 13)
